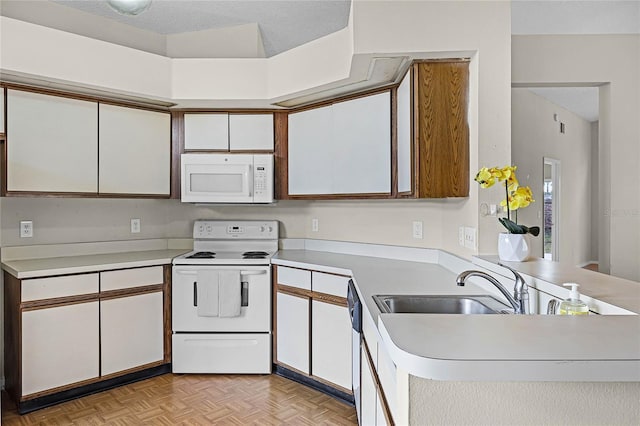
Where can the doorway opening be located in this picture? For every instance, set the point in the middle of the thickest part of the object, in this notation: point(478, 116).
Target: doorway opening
point(551, 193)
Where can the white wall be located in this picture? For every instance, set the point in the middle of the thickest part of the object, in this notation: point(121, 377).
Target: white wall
point(613, 59)
point(536, 135)
point(414, 26)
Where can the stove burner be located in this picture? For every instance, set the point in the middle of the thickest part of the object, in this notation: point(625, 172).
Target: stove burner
point(202, 255)
point(254, 255)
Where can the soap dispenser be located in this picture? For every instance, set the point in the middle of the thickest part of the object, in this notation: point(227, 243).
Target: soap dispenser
point(573, 305)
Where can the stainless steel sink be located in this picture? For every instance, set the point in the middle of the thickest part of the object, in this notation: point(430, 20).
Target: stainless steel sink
point(440, 304)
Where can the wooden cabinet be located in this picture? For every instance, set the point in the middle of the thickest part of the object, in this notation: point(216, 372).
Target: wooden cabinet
point(52, 144)
point(440, 103)
point(135, 151)
point(341, 149)
point(66, 335)
point(313, 328)
point(228, 132)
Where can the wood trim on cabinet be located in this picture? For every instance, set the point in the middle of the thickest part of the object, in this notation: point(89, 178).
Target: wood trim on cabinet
point(294, 291)
point(166, 312)
point(394, 142)
point(12, 336)
point(343, 98)
point(329, 298)
point(132, 370)
point(177, 147)
point(56, 302)
point(376, 381)
point(442, 135)
point(90, 98)
point(133, 291)
point(331, 384)
point(281, 155)
point(90, 381)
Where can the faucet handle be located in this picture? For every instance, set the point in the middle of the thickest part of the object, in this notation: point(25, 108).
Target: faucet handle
point(519, 279)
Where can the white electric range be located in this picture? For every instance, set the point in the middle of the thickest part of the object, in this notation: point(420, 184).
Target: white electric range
point(221, 299)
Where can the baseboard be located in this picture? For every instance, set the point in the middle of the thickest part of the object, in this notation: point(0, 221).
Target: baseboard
point(307, 381)
point(30, 405)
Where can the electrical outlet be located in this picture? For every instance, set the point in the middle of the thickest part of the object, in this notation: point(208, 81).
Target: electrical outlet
point(461, 236)
point(135, 226)
point(314, 225)
point(417, 230)
point(493, 210)
point(26, 229)
point(470, 237)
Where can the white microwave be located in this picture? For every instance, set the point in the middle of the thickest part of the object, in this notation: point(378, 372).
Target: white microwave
point(227, 178)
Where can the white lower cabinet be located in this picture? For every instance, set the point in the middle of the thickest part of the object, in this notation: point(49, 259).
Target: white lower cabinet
point(331, 343)
point(368, 393)
point(131, 332)
point(59, 346)
point(292, 336)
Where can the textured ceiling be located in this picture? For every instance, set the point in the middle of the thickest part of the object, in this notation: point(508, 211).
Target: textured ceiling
point(283, 24)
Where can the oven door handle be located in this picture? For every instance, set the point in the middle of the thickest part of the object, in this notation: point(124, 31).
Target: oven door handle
point(253, 272)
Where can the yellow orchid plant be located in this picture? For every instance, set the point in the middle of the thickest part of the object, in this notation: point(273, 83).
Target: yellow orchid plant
point(517, 197)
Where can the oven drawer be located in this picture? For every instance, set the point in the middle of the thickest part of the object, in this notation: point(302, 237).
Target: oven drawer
point(222, 353)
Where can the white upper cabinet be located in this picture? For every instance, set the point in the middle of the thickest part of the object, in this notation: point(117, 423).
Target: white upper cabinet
point(2, 90)
point(224, 132)
point(251, 132)
point(311, 151)
point(344, 148)
point(404, 135)
point(362, 145)
point(52, 143)
point(135, 151)
point(206, 132)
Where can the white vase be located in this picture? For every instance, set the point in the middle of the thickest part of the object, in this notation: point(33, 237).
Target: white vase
point(514, 247)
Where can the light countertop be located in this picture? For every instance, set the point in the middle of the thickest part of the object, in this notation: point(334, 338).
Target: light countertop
point(605, 288)
point(32, 268)
point(481, 347)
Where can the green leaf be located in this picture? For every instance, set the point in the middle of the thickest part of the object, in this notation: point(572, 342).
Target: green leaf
point(514, 228)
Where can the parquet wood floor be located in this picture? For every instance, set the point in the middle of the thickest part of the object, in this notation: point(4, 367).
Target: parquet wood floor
point(194, 400)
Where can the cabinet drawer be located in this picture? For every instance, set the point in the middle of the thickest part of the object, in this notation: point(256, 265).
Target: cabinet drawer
point(330, 284)
point(129, 278)
point(294, 277)
point(52, 287)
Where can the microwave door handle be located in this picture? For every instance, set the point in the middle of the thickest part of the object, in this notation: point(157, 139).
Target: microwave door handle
point(253, 272)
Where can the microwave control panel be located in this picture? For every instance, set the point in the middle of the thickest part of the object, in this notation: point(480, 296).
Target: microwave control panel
point(263, 178)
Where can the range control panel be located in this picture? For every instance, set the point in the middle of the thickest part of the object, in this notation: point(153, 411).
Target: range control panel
point(235, 230)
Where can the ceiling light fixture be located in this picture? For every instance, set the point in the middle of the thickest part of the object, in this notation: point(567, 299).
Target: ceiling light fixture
point(129, 7)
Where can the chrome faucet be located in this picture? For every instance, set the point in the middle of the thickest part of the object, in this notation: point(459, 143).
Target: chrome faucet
point(520, 299)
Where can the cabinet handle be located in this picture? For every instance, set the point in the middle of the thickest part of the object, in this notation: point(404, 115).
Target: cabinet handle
point(195, 293)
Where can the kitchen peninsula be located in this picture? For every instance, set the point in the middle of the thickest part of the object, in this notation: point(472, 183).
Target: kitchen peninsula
point(462, 368)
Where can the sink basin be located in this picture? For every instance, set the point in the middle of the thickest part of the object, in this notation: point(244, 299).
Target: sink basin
point(440, 304)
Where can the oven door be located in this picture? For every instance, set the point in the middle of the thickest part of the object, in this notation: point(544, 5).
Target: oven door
point(255, 310)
